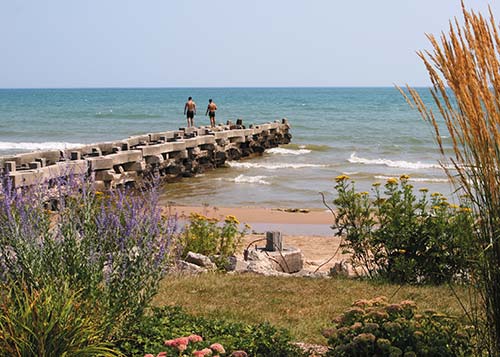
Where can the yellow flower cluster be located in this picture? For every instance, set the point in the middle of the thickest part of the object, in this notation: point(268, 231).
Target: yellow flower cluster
point(341, 178)
point(231, 219)
point(392, 181)
point(404, 177)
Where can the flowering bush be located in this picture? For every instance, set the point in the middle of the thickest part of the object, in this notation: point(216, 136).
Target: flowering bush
point(210, 237)
point(112, 248)
point(218, 335)
point(377, 328)
point(401, 237)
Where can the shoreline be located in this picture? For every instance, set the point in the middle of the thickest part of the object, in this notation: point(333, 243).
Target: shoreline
point(260, 215)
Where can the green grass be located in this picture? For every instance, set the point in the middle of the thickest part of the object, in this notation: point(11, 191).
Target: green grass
point(303, 306)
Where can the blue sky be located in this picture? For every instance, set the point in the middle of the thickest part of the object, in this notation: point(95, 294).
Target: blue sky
point(200, 43)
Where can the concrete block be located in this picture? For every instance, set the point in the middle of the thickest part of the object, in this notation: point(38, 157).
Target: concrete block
point(34, 165)
point(75, 155)
point(10, 166)
point(155, 159)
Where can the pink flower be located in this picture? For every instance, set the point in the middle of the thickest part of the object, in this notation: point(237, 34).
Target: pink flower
point(239, 354)
point(182, 347)
point(182, 341)
point(162, 354)
point(149, 355)
point(217, 347)
point(195, 338)
point(204, 352)
point(170, 343)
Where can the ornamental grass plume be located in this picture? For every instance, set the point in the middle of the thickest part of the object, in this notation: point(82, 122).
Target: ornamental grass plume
point(464, 68)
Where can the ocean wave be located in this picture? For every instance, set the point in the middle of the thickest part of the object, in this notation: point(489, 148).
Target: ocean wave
point(390, 163)
point(416, 179)
point(311, 147)
point(283, 151)
point(270, 166)
point(251, 179)
point(48, 145)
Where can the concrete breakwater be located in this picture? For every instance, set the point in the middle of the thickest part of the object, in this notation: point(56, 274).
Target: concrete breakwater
point(170, 154)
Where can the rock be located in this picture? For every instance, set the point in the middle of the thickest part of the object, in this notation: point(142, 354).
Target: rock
point(184, 267)
point(200, 260)
point(236, 265)
point(339, 269)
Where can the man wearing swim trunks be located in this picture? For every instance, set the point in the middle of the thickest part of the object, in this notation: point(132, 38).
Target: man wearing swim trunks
point(190, 111)
point(211, 112)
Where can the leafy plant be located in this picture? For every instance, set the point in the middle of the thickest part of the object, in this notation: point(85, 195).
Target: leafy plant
point(403, 238)
point(52, 321)
point(167, 323)
point(377, 328)
point(113, 248)
point(210, 237)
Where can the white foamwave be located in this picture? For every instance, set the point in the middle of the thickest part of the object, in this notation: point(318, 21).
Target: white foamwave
point(415, 179)
point(390, 163)
point(48, 145)
point(283, 151)
point(251, 179)
point(270, 166)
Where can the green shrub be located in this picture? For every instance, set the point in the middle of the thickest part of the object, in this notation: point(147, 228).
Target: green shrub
point(403, 238)
point(377, 328)
point(210, 237)
point(168, 323)
point(52, 321)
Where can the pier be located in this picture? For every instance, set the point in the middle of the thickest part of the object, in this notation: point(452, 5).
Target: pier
point(168, 155)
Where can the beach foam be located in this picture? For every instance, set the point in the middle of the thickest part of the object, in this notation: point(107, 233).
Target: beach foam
point(283, 151)
point(270, 166)
point(415, 179)
point(391, 163)
point(48, 145)
point(251, 179)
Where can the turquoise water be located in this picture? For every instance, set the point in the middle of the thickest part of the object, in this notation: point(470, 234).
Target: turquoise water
point(369, 134)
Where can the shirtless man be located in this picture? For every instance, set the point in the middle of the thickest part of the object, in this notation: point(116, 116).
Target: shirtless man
point(190, 111)
point(212, 107)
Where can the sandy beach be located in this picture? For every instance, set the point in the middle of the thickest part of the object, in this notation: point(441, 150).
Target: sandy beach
point(300, 229)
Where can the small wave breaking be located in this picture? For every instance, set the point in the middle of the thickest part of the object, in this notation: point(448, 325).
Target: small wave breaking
point(48, 145)
point(270, 166)
point(311, 147)
point(416, 179)
point(391, 163)
point(251, 179)
point(283, 151)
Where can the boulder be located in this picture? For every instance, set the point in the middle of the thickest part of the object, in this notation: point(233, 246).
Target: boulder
point(184, 267)
point(200, 260)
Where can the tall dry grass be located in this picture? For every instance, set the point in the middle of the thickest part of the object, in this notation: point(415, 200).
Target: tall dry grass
point(464, 67)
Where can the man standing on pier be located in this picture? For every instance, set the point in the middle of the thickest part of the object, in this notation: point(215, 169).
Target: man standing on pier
point(190, 111)
point(212, 107)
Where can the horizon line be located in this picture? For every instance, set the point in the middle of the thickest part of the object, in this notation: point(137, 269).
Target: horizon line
point(217, 87)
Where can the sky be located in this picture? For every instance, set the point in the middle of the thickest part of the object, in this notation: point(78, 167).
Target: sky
point(219, 43)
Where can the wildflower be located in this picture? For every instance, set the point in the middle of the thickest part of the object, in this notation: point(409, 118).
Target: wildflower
point(454, 206)
point(465, 209)
point(202, 353)
point(182, 347)
point(392, 181)
point(231, 219)
point(401, 251)
point(423, 189)
point(435, 194)
point(364, 193)
point(195, 338)
point(162, 354)
point(99, 193)
point(247, 226)
point(435, 208)
point(356, 326)
point(149, 355)
point(217, 347)
point(341, 178)
point(404, 177)
point(376, 184)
